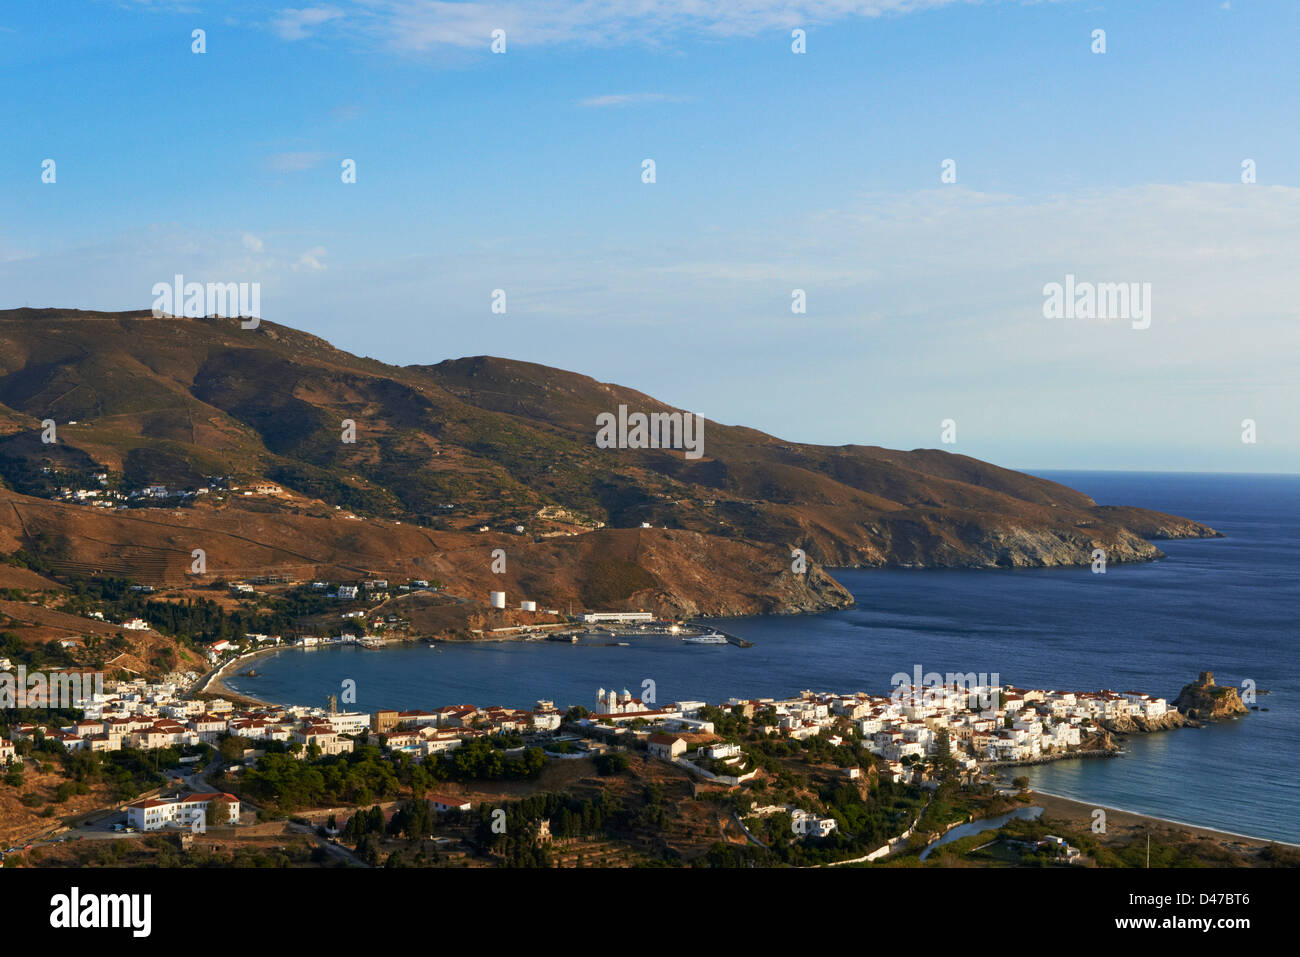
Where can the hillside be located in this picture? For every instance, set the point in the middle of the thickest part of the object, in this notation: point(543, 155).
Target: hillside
point(442, 450)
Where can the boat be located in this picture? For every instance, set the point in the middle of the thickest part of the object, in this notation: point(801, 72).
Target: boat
point(571, 639)
point(712, 638)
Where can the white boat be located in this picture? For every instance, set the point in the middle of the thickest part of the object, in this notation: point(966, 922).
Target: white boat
point(712, 638)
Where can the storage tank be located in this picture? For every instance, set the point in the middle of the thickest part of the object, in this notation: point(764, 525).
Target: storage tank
point(498, 599)
point(528, 606)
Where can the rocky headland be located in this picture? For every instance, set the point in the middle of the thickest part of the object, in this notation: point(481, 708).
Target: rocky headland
point(1203, 700)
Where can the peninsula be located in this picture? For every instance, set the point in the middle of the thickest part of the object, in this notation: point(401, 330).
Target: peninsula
point(182, 453)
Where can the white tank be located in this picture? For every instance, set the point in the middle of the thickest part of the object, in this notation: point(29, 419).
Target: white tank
point(498, 599)
point(528, 606)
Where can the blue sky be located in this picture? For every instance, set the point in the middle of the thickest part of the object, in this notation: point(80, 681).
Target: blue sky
point(774, 171)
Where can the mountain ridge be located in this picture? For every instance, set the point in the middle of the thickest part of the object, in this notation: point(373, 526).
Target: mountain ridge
point(455, 445)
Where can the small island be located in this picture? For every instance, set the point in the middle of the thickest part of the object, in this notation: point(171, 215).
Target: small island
point(1203, 700)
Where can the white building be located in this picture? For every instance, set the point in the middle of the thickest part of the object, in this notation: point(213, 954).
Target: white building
point(547, 720)
point(184, 812)
point(349, 722)
point(719, 751)
point(665, 746)
point(442, 804)
point(808, 824)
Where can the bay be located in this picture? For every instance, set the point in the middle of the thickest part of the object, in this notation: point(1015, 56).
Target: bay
point(1225, 605)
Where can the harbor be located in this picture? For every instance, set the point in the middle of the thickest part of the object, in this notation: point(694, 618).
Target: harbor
point(622, 637)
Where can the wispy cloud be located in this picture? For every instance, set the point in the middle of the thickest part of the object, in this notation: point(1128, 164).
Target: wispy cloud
point(293, 162)
point(628, 99)
point(311, 260)
point(291, 24)
point(416, 26)
point(920, 303)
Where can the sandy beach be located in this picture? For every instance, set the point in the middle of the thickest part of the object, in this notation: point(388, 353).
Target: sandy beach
point(1122, 826)
point(212, 685)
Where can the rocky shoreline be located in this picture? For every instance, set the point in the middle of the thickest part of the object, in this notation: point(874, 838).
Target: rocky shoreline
point(1139, 725)
point(1063, 756)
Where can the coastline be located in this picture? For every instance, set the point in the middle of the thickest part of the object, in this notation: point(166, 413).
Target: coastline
point(1072, 810)
point(212, 684)
point(1079, 813)
point(1051, 758)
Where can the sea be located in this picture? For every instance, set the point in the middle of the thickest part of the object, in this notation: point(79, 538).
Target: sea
point(1226, 605)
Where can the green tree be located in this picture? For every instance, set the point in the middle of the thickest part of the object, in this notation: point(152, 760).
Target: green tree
point(218, 814)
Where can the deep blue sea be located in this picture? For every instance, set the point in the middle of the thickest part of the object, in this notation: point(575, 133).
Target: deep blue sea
point(1226, 605)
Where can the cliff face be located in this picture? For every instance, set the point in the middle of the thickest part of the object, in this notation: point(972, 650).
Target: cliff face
point(1100, 740)
point(1140, 725)
point(1203, 700)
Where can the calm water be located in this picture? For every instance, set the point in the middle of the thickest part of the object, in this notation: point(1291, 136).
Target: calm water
point(983, 824)
point(1225, 605)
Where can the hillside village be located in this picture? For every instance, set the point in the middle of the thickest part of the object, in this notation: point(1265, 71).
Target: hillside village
point(915, 735)
point(1026, 725)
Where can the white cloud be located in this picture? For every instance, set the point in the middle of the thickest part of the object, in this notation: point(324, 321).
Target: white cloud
point(416, 26)
point(628, 99)
point(921, 305)
point(291, 24)
point(294, 162)
point(311, 260)
point(252, 243)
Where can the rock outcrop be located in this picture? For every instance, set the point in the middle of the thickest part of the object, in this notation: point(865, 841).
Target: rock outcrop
point(1203, 700)
point(1101, 740)
point(1133, 724)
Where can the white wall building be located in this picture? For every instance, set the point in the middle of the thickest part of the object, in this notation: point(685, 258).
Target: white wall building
point(349, 722)
point(616, 617)
point(156, 813)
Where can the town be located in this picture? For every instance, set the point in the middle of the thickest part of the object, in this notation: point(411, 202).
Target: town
point(913, 734)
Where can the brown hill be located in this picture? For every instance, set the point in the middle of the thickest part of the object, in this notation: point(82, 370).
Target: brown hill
point(442, 449)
